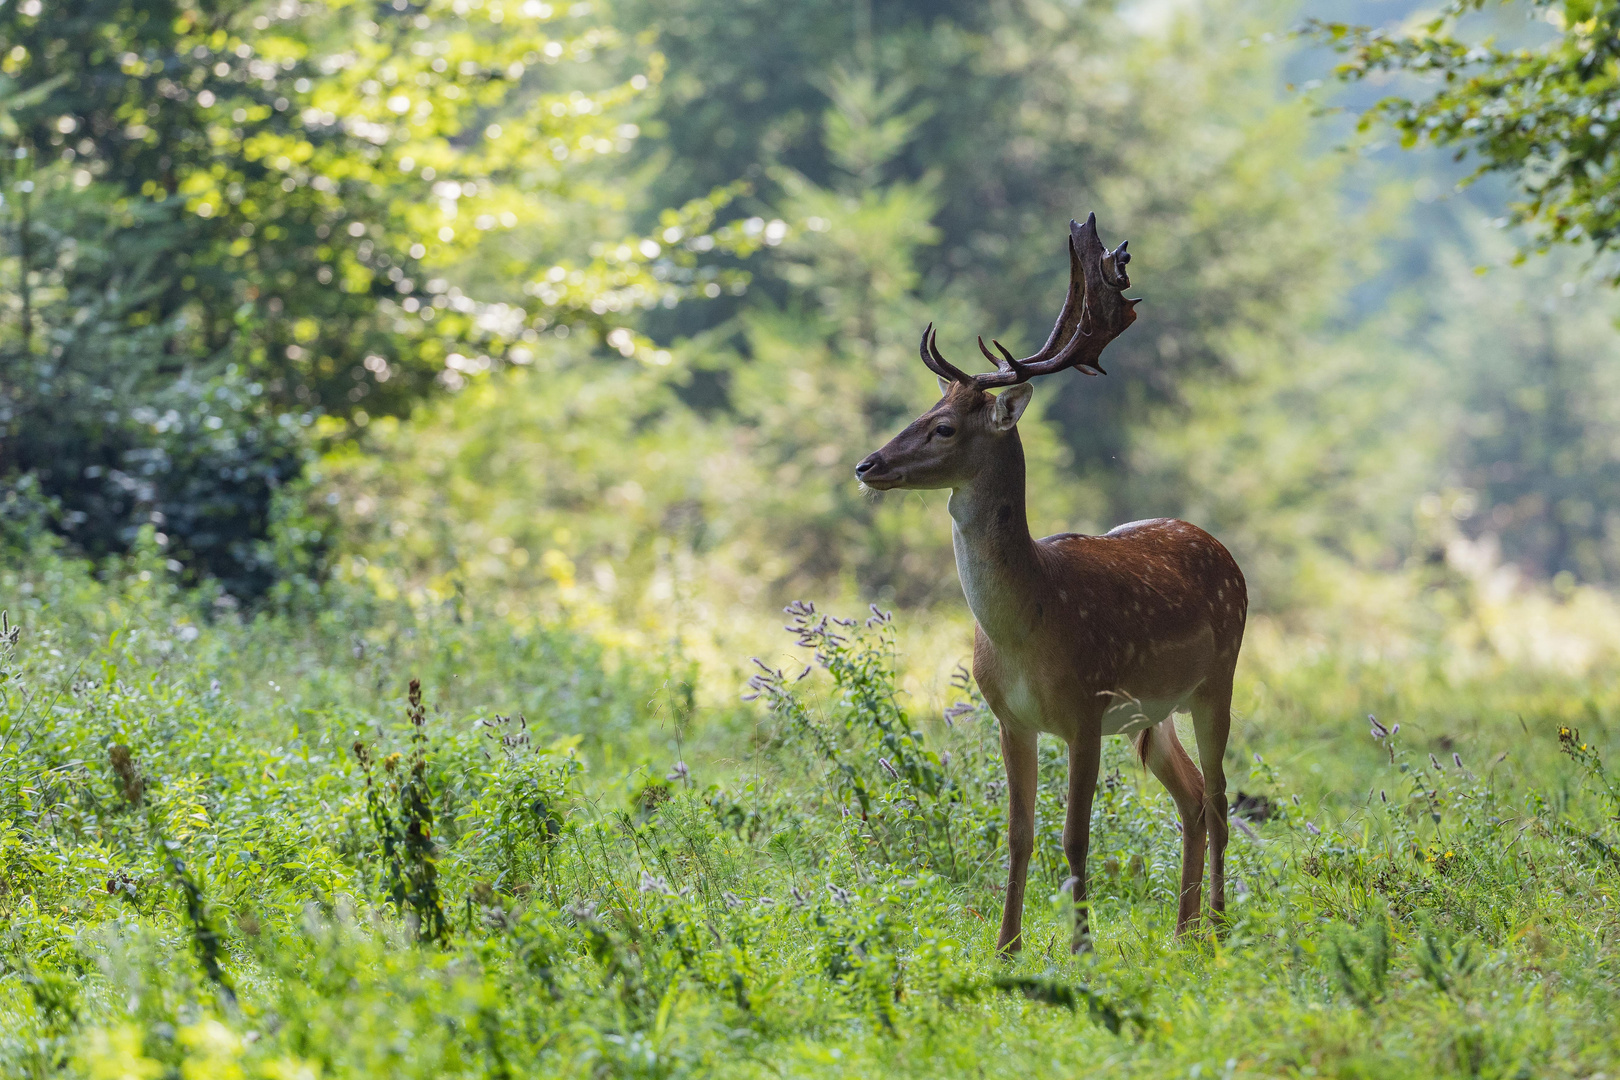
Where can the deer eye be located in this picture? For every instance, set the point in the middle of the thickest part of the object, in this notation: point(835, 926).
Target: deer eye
point(944, 431)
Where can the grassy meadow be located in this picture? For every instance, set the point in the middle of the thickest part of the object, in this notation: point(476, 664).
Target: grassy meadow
point(237, 847)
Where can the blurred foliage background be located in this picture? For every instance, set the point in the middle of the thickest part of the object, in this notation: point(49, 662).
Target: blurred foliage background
point(589, 308)
point(520, 352)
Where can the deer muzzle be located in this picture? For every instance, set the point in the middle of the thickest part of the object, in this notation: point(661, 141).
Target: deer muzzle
point(874, 472)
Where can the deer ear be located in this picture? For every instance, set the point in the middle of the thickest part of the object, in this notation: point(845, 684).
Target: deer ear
point(944, 385)
point(1009, 406)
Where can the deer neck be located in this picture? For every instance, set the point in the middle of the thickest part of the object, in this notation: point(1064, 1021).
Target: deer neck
point(995, 555)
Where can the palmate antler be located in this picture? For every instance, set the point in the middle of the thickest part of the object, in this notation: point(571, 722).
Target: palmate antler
point(1094, 314)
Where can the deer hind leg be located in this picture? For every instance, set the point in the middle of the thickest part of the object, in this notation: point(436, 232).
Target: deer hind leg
point(1212, 723)
point(1085, 755)
point(1023, 768)
point(1165, 757)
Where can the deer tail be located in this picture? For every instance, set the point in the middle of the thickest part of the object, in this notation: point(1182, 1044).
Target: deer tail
point(1143, 739)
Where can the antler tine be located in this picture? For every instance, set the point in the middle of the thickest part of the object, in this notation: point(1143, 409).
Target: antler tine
point(956, 373)
point(937, 363)
point(1004, 363)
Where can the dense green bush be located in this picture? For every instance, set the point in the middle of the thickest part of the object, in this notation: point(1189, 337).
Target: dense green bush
point(198, 462)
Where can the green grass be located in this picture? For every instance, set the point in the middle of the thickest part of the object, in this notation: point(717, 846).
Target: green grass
point(816, 894)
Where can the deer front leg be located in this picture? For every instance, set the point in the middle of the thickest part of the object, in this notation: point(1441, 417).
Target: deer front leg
point(1019, 756)
point(1085, 754)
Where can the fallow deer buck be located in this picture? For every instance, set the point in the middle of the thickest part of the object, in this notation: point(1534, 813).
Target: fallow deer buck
point(1079, 636)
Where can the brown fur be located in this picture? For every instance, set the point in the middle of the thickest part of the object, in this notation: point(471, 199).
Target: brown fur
point(1082, 636)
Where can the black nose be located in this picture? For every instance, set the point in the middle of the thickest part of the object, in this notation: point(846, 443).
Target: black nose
point(871, 462)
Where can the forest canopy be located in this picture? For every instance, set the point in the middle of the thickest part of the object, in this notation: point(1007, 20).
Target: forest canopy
point(687, 249)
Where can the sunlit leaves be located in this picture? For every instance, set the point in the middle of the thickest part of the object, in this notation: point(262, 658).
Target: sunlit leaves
point(1547, 115)
point(336, 159)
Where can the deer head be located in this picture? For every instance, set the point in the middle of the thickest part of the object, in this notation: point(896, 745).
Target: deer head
point(942, 447)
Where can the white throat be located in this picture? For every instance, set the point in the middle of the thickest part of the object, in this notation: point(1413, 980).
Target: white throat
point(992, 582)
